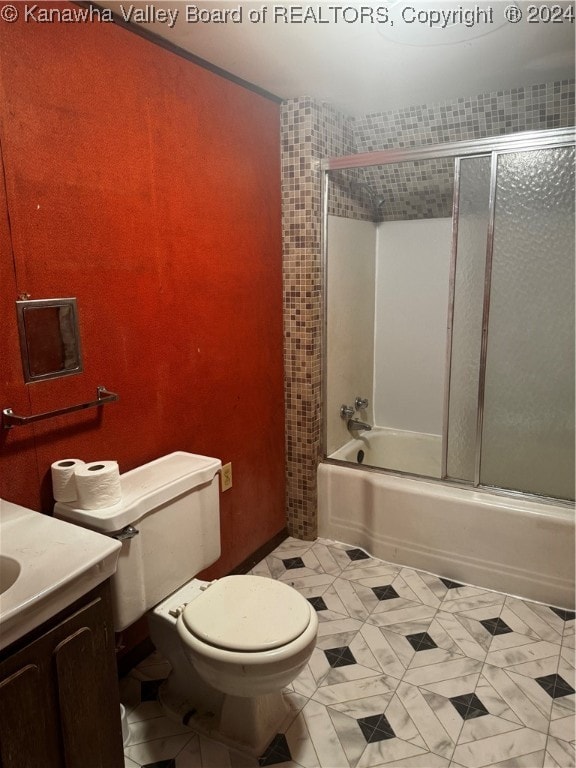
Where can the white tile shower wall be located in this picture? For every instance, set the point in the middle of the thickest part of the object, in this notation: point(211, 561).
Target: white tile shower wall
point(350, 342)
point(412, 277)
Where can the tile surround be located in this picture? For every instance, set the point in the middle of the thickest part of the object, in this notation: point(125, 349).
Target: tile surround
point(464, 697)
point(311, 131)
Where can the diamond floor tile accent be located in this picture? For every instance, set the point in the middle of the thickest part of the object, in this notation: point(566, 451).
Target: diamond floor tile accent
point(339, 657)
point(386, 592)
point(149, 689)
point(469, 706)
point(421, 641)
point(495, 626)
point(278, 751)
point(161, 764)
point(555, 686)
point(450, 584)
point(410, 670)
point(375, 728)
point(357, 554)
point(317, 603)
point(564, 615)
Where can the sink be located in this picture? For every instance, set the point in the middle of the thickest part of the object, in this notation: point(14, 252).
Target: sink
point(9, 572)
point(45, 565)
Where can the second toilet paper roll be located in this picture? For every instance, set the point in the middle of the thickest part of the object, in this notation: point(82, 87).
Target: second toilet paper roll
point(98, 484)
point(64, 480)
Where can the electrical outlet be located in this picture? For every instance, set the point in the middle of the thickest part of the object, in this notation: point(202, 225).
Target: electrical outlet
point(226, 477)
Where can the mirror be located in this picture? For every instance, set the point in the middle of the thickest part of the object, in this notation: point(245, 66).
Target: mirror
point(49, 338)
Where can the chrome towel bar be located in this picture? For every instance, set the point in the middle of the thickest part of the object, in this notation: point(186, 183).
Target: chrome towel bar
point(10, 419)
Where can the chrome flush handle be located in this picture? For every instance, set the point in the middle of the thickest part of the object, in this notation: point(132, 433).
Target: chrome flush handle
point(126, 533)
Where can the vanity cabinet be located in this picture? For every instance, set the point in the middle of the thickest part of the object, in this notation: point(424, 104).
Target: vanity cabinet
point(59, 700)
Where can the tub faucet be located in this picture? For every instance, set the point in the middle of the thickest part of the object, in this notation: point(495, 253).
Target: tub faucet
point(354, 424)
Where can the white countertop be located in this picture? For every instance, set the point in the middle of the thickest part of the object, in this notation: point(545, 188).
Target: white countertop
point(59, 562)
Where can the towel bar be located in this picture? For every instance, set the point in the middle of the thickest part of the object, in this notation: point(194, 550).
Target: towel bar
point(10, 419)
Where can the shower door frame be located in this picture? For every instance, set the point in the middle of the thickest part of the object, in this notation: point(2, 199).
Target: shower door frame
point(491, 147)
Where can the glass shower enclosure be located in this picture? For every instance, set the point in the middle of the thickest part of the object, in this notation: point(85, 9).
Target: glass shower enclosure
point(449, 275)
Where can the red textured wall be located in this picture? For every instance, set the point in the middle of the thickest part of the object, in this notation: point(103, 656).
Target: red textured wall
point(149, 188)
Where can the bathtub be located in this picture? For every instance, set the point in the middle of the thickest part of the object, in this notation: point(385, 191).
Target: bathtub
point(416, 452)
point(513, 545)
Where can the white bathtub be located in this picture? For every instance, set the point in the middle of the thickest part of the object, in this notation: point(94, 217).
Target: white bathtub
point(416, 452)
point(521, 547)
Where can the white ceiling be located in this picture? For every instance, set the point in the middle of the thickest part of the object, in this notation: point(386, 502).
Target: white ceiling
point(361, 67)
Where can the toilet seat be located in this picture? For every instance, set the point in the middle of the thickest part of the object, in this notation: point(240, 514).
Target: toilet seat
point(247, 614)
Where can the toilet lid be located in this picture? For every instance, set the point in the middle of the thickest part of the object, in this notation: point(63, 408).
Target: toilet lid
point(247, 613)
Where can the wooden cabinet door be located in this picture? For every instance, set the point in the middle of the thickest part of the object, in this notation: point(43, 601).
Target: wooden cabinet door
point(59, 704)
point(28, 720)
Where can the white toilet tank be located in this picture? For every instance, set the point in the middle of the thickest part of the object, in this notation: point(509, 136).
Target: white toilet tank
point(174, 505)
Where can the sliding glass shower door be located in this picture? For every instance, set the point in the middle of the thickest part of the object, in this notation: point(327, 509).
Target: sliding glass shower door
point(510, 411)
point(490, 403)
point(528, 423)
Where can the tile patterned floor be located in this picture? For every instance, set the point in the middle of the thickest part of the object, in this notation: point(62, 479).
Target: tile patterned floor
point(410, 670)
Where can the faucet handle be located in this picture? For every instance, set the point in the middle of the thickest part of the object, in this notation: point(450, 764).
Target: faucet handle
point(346, 411)
point(361, 403)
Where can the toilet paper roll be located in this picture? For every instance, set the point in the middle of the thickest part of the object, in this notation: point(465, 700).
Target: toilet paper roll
point(64, 479)
point(98, 484)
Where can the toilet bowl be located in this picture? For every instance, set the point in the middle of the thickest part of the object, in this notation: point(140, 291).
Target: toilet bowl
point(233, 644)
point(248, 635)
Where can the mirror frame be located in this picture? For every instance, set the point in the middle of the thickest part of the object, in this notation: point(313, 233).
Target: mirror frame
point(25, 341)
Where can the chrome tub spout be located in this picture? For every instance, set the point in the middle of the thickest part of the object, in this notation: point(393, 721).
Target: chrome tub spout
point(354, 425)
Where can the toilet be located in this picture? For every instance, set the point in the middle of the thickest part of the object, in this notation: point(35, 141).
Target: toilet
point(234, 643)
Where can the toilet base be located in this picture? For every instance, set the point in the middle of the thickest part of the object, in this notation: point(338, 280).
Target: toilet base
point(245, 724)
point(251, 724)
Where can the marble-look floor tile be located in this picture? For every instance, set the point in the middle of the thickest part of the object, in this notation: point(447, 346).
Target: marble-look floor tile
point(428, 589)
point(146, 710)
point(351, 599)
point(332, 559)
point(378, 685)
point(435, 719)
point(295, 564)
point(468, 599)
point(155, 728)
point(313, 740)
point(562, 725)
point(447, 671)
point(410, 670)
point(467, 634)
point(203, 752)
point(498, 748)
point(157, 749)
point(389, 650)
point(532, 760)
point(154, 667)
point(398, 611)
point(348, 718)
point(529, 702)
point(560, 753)
point(299, 580)
point(541, 619)
point(527, 656)
point(369, 569)
point(377, 590)
point(424, 760)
